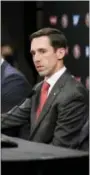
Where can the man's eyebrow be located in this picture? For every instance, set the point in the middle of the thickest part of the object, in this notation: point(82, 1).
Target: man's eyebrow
point(32, 51)
point(38, 49)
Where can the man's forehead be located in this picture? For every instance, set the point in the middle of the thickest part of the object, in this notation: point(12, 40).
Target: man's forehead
point(40, 42)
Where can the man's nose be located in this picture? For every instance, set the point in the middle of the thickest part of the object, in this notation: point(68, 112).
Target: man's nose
point(37, 57)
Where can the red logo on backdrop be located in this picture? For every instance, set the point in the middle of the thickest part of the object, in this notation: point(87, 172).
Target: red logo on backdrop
point(67, 51)
point(87, 82)
point(76, 51)
point(53, 20)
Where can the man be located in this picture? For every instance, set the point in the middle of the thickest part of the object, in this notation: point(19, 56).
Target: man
point(14, 87)
point(9, 54)
point(58, 110)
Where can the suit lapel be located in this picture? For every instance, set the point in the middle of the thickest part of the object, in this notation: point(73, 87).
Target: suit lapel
point(54, 92)
point(3, 66)
point(35, 102)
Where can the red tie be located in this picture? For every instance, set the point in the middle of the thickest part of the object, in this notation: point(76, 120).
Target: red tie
point(43, 97)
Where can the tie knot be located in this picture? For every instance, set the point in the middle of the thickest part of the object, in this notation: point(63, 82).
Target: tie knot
point(45, 86)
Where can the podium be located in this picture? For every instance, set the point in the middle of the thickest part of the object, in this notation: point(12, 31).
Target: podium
point(31, 158)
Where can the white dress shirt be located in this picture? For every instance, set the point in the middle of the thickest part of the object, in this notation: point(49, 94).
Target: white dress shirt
point(53, 79)
point(2, 60)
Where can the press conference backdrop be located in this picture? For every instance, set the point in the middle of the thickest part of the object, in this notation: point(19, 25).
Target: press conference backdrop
point(69, 16)
point(73, 19)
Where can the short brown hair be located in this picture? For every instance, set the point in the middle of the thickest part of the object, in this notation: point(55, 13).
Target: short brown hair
point(57, 38)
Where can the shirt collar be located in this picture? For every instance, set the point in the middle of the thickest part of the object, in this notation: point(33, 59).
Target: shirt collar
point(2, 60)
point(53, 79)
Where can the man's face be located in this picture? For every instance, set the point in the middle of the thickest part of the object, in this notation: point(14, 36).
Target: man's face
point(45, 58)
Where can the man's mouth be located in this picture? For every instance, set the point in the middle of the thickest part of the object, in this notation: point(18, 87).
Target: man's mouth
point(39, 67)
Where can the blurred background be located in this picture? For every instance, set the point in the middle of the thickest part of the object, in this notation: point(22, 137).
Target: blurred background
point(20, 19)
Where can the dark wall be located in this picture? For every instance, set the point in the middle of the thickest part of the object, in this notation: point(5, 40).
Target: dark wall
point(76, 34)
point(17, 22)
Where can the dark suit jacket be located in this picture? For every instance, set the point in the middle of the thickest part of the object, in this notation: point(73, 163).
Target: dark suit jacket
point(14, 87)
point(62, 118)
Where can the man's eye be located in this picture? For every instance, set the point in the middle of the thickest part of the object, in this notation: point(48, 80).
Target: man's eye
point(32, 53)
point(42, 51)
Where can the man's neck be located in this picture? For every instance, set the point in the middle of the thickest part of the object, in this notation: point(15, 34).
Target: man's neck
point(60, 67)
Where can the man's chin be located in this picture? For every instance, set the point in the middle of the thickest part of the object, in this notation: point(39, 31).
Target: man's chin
point(42, 74)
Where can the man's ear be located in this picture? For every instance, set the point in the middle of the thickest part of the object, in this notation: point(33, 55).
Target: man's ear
point(61, 52)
